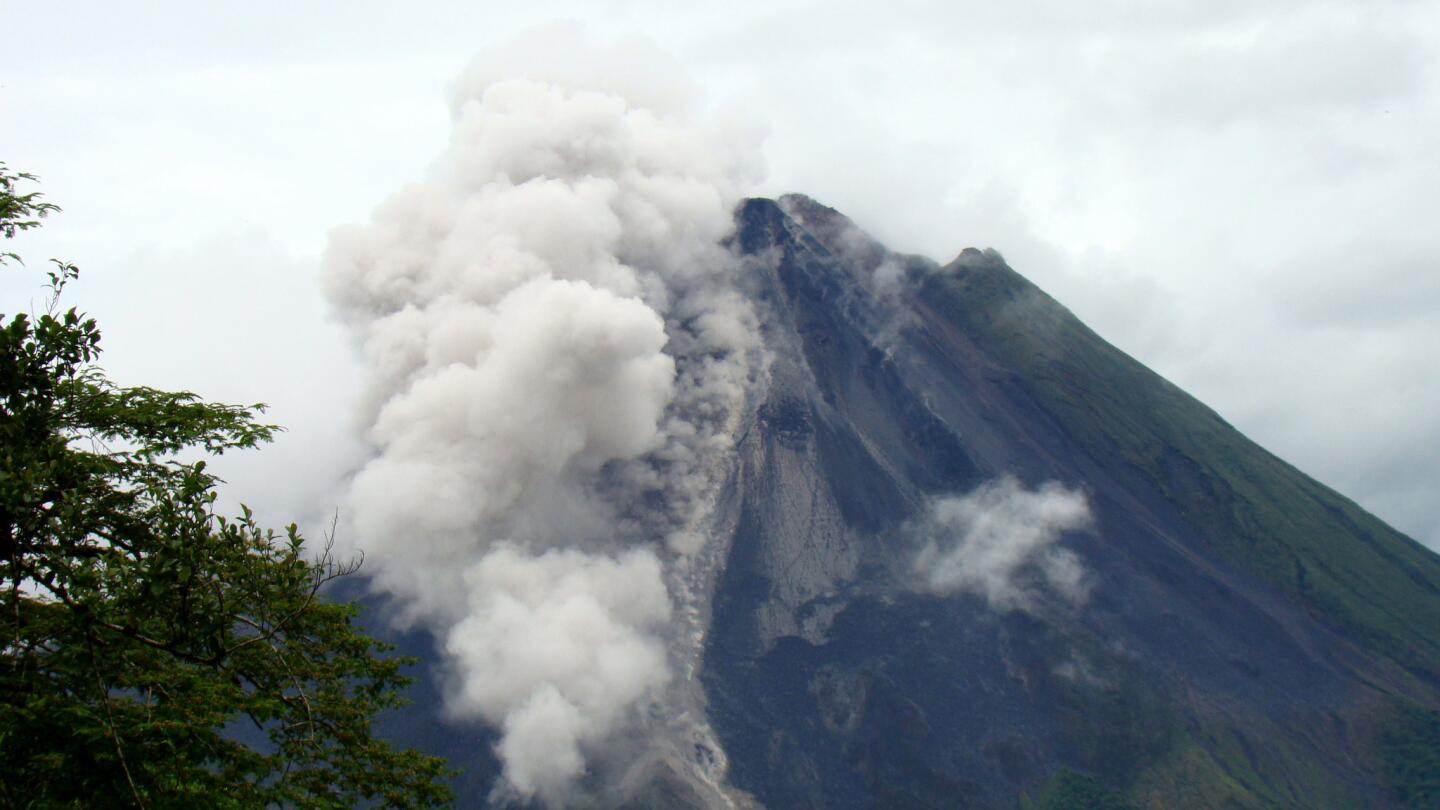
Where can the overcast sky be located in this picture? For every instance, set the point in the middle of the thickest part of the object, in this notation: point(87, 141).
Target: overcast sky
point(1241, 195)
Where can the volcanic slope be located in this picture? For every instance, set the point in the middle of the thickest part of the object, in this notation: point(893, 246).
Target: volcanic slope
point(1223, 631)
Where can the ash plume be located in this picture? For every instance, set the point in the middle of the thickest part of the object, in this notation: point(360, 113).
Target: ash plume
point(556, 362)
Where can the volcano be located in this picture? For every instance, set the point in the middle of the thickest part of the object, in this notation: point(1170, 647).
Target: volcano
point(972, 555)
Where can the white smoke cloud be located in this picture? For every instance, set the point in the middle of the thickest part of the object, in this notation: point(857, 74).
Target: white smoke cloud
point(987, 541)
point(554, 648)
point(556, 378)
point(551, 338)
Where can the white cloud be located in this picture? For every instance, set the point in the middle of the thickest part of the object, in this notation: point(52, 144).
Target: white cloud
point(1001, 540)
point(555, 649)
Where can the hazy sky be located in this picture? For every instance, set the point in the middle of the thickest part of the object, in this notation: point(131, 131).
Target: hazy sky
point(1242, 195)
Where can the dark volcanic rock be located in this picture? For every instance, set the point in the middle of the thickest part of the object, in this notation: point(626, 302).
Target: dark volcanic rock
point(1249, 639)
point(1246, 634)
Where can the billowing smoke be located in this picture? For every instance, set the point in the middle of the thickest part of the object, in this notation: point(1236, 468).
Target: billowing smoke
point(566, 641)
point(1000, 542)
point(557, 359)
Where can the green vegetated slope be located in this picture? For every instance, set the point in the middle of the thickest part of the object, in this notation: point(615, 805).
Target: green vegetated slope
point(1410, 749)
point(1069, 790)
point(1268, 517)
point(1349, 570)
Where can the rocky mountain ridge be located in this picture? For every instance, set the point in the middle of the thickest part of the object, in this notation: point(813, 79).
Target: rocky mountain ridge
point(1216, 630)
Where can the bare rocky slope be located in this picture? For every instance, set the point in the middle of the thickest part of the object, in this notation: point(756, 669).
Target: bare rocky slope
point(1247, 637)
point(1250, 637)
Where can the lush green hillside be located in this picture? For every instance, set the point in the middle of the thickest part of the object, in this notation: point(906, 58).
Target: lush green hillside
point(1260, 512)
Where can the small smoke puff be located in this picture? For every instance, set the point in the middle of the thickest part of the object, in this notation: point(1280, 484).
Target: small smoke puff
point(555, 649)
point(889, 277)
point(984, 542)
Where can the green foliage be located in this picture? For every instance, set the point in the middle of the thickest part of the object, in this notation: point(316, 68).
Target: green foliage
point(1069, 790)
point(18, 212)
point(1410, 750)
point(143, 633)
point(1116, 732)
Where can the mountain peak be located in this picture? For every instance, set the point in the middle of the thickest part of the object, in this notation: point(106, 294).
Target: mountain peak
point(975, 257)
point(810, 212)
point(964, 552)
point(1222, 623)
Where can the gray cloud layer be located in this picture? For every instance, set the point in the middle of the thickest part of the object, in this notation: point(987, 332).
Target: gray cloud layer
point(1237, 194)
point(1240, 194)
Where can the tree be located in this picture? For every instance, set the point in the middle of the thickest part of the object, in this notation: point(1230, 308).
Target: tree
point(157, 654)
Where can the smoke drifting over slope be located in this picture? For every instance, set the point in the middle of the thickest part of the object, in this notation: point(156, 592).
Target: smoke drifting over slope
point(550, 339)
point(986, 541)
